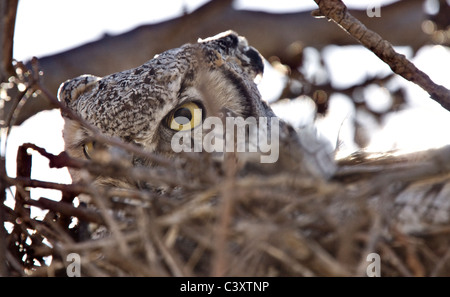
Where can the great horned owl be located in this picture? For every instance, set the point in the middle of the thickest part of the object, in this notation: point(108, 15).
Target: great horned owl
point(180, 89)
point(215, 76)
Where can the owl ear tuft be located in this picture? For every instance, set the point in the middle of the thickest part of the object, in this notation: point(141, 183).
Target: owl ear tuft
point(256, 63)
point(225, 41)
point(71, 89)
point(230, 44)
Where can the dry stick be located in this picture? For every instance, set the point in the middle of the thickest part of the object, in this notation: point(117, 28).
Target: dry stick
point(23, 161)
point(8, 11)
point(371, 244)
point(441, 264)
point(102, 243)
point(219, 265)
point(3, 241)
point(78, 188)
point(390, 256)
point(151, 254)
point(112, 225)
point(135, 173)
point(67, 209)
point(337, 11)
point(280, 255)
point(171, 258)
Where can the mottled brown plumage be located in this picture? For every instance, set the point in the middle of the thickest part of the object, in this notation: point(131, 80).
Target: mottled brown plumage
point(217, 72)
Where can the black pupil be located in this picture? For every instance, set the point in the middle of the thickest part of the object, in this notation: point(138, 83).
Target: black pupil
point(182, 116)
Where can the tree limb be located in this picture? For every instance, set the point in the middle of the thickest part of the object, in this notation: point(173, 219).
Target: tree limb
point(3, 241)
point(8, 9)
point(337, 11)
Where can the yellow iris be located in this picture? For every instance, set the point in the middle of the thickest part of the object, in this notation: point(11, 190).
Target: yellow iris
point(88, 149)
point(185, 117)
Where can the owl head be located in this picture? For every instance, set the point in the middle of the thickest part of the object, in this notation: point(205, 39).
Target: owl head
point(173, 95)
point(144, 105)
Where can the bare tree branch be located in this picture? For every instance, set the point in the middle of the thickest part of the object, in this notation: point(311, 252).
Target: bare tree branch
point(337, 11)
point(3, 241)
point(8, 9)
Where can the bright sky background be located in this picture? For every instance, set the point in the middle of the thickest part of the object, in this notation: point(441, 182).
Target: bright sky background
point(48, 26)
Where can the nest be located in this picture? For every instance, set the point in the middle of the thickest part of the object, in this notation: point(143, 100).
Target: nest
point(213, 221)
point(378, 215)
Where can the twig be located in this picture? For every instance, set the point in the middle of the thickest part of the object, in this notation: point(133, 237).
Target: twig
point(294, 265)
point(28, 182)
point(390, 255)
point(67, 209)
point(8, 10)
point(171, 258)
point(437, 270)
point(337, 11)
point(111, 223)
point(113, 169)
point(224, 216)
point(151, 254)
point(23, 163)
point(91, 245)
point(3, 241)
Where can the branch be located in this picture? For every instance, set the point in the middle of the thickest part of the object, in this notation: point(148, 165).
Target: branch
point(8, 10)
point(67, 209)
point(111, 169)
point(337, 11)
point(3, 241)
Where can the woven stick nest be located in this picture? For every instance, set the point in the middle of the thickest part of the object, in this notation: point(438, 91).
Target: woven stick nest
point(212, 221)
point(197, 217)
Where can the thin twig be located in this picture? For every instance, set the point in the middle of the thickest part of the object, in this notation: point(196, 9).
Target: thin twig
point(67, 209)
point(3, 241)
point(224, 218)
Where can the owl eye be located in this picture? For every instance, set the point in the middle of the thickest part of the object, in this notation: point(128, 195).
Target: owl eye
point(185, 117)
point(88, 149)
